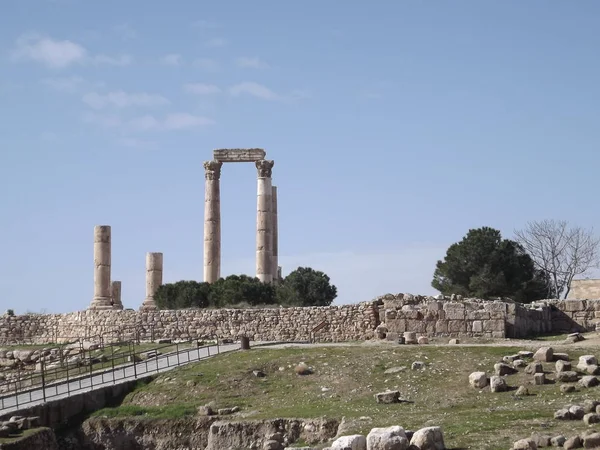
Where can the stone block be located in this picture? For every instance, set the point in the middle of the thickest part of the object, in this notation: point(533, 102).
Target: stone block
point(239, 154)
point(574, 305)
point(493, 325)
point(457, 326)
point(478, 315)
point(441, 326)
point(477, 326)
point(454, 311)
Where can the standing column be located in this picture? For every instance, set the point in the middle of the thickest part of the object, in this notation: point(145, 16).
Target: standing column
point(212, 221)
point(102, 297)
point(154, 275)
point(264, 235)
point(115, 292)
point(275, 248)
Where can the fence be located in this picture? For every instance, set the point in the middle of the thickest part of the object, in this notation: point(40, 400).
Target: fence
point(87, 369)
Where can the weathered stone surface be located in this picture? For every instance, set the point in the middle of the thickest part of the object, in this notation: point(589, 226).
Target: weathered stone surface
point(498, 384)
point(591, 440)
point(264, 225)
point(239, 154)
point(567, 376)
point(562, 366)
point(212, 221)
point(585, 361)
point(390, 438)
point(154, 276)
point(525, 444)
point(478, 380)
point(388, 397)
point(589, 381)
point(572, 443)
point(544, 354)
point(353, 442)
point(539, 379)
point(429, 438)
point(504, 369)
point(102, 263)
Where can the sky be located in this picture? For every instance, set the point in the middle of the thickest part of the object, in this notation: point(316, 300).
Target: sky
point(395, 128)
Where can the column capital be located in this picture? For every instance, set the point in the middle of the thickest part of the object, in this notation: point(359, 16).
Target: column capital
point(212, 170)
point(264, 168)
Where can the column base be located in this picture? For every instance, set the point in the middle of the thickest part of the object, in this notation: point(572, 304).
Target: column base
point(118, 306)
point(101, 303)
point(149, 305)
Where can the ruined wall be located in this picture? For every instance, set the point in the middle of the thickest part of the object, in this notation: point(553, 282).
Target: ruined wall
point(396, 313)
point(339, 323)
point(584, 289)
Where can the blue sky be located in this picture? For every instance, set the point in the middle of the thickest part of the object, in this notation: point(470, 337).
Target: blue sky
point(394, 126)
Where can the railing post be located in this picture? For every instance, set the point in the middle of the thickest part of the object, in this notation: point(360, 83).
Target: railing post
point(43, 378)
point(112, 361)
point(177, 349)
point(133, 359)
point(91, 370)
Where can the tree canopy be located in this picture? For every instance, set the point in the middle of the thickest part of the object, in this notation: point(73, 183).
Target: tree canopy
point(483, 265)
point(302, 287)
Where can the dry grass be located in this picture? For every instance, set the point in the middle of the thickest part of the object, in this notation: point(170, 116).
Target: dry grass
point(346, 378)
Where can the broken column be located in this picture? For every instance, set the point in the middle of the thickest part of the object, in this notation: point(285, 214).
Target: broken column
point(264, 234)
point(275, 246)
point(115, 293)
point(154, 275)
point(212, 221)
point(102, 296)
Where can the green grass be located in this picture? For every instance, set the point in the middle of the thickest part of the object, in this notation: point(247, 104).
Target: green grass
point(19, 436)
point(351, 376)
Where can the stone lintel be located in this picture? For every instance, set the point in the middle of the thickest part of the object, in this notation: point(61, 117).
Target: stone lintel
point(239, 154)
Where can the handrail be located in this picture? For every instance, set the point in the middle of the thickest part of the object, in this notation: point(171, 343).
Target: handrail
point(99, 369)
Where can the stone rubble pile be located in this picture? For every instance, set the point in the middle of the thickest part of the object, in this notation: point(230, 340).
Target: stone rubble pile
point(392, 438)
point(18, 424)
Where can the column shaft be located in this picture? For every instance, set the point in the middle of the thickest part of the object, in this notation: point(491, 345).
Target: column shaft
point(102, 260)
point(154, 275)
point(264, 235)
point(115, 291)
point(275, 236)
point(212, 221)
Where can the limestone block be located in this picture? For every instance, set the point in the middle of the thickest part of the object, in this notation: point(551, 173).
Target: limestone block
point(478, 315)
point(454, 311)
point(239, 154)
point(457, 326)
point(477, 326)
point(493, 325)
point(417, 326)
point(441, 326)
point(574, 305)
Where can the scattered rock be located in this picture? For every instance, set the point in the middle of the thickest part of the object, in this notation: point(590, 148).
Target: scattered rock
point(525, 354)
point(562, 414)
point(394, 370)
point(567, 376)
point(544, 354)
point(591, 440)
point(205, 410)
point(423, 340)
point(354, 442)
point(388, 397)
point(593, 369)
point(258, 373)
point(478, 380)
point(558, 441)
point(534, 367)
point(390, 438)
point(586, 360)
point(591, 418)
point(589, 381)
point(453, 342)
point(504, 369)
point(519, 363)
point(429, 438)
point(541, 440)
point(567, 388)
point(590, 405)
point(303, 369)
point(522, 391)
point(577, 412)
point(562, 366)
point(525, 444)
point(561, 357)
point(572, 443)
point(417, 365)
point(498, 384)
point(574, 337)
point(539, 379)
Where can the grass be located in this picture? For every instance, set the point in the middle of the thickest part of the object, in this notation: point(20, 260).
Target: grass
point(345, 380)
point(19, 436)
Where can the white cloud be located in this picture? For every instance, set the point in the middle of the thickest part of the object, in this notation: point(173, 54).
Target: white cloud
point(55, 54)
point(172, 59)
point(206, 64)
point(201, 88)
point(102, 120)
point(122, 60)
point(253, 89)
point(59, 54)
point(136, 143)
point(215, 42)
point(71, 85)
point(251, 63)
point(120, 99)
point(181, 121)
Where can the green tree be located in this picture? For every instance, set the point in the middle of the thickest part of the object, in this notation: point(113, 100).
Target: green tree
point(240, 289)
point(484, 265)
point(306, 287)
point(183, 294)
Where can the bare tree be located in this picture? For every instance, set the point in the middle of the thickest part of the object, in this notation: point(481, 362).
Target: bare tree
point(560, 251)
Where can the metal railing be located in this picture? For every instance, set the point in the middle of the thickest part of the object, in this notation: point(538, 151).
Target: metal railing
point(86, 369)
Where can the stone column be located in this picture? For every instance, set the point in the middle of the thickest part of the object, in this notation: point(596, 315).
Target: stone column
point(115, 292)
point(274, 230)
point(102, 297)
point(154, 275)
point(264, 235)
point(212, 221)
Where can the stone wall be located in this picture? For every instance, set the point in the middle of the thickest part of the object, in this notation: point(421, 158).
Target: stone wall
point(337, 323)
point(584, 289)
point(397, 313)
